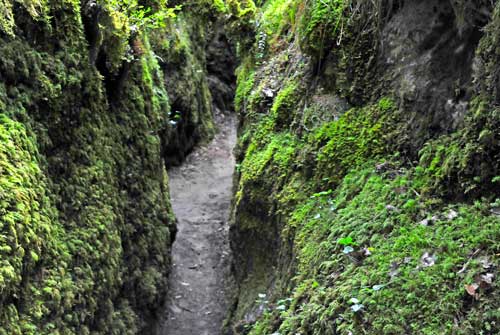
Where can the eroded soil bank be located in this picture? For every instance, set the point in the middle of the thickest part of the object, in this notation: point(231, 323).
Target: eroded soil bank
point(201, 191)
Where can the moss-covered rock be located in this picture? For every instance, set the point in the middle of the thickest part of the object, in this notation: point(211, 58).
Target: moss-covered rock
point(85, 220)
point(367, 194)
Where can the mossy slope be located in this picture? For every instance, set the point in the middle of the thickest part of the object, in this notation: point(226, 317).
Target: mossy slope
point(363, 205)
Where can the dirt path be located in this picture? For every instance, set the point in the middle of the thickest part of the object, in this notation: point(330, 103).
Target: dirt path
point(201, 192)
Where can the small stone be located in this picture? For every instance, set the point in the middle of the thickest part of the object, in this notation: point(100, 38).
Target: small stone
point(424, 222)
point(428, 260)
point(391, 208)
point(451, 214)
point(268, 92)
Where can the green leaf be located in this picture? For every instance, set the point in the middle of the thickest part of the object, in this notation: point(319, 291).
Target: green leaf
point(34, 256)
point(345, 241)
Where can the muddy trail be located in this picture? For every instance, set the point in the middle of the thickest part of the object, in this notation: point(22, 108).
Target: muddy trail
point(201, 191)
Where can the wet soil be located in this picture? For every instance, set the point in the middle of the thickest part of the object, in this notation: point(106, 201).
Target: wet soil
point(201, 191)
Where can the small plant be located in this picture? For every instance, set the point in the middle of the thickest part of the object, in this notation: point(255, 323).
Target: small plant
point(386, 104)
point(348, 244)
point(144, 17)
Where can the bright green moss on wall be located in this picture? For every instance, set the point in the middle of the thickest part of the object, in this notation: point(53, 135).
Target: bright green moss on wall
point(321, 24)
point(409, 251)
point(31, 239)
point(284, 104)
point(358, 135)
point(360, 236)
point(245, 85)
point(467, 161)
point(85, 220)
point(278, 16)
point(37, 9)
point(243, 9)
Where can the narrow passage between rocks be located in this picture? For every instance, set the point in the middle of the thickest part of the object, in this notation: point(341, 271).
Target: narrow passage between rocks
point(201, 191)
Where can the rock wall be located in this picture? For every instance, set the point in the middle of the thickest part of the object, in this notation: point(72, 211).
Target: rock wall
point(96, 98)
point(367, 184)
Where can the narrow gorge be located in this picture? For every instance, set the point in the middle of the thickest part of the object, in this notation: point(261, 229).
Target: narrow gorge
point(249, 167)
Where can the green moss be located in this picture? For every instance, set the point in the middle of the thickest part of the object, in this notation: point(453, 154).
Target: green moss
point(395, 275)
point(401, 259)
point(243, 9)
point(37, 9)
point(278, 16)
point(85, 226)
point(359, 134)
point(285, 103)
point(29, 235)
point(467, 161)
point(244, 85)
point(419, 229)
point(320, 25)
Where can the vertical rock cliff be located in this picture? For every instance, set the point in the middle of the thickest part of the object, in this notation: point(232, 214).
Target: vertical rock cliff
point(96, 98)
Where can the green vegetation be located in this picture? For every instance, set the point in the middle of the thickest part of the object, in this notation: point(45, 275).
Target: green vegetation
point(85, 220)
point(411, 256)
point(339, 220)
point(37, 9)
point(355, 212)
point(322, 24)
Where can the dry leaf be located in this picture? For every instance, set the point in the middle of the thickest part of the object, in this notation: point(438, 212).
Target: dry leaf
point(424, 222)
point(394, 269)
point(471, 290)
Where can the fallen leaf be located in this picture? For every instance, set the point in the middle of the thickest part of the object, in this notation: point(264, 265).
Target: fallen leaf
point(424, 222)
point(357, 307)
point(354, 301)
point(382, 167)
point(348, 249)
point(391, 208)
point(366, 251)
point(495, 210)
point(485, 262)
point(268, 92)
point(394, 269)
point(471, 290)
point(429, 221)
